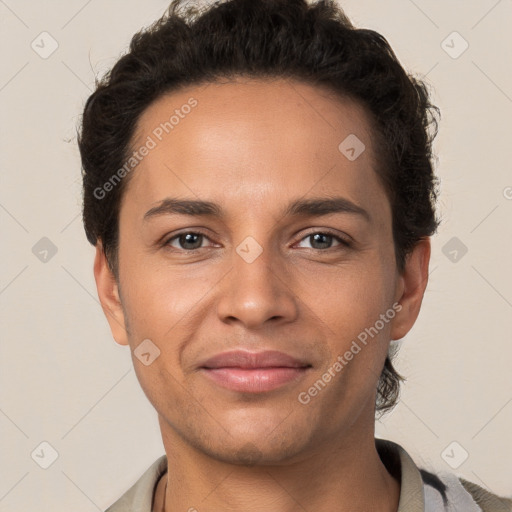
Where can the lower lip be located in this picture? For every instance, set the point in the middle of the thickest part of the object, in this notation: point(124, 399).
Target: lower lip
point(254, 380)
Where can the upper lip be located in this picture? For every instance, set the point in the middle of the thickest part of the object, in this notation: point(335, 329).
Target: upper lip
point(245, 359)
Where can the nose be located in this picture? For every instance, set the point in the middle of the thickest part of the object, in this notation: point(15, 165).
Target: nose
point(257, 293)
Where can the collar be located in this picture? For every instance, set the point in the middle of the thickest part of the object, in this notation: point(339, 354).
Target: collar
point(139, 498)
point(400, 464)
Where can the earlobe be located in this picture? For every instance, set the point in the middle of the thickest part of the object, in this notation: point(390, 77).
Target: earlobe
point(411, 288)
point(108, 293)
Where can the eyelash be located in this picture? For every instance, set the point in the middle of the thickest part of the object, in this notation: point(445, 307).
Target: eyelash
point(345, 244)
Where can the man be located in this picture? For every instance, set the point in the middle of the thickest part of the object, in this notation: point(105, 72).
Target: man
point(259, 188)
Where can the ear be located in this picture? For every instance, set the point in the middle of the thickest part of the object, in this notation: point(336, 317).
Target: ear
point(410, 288)
point(108, 293)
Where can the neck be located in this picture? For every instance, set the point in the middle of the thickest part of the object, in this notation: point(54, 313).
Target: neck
point(347, 476)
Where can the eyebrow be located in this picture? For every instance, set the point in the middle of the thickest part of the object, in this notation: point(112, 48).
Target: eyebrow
point(300, 207)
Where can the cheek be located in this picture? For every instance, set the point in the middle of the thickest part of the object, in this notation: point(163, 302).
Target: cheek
point(358, 338)
point(351, 307)
point(158, 299)
point(349, 298)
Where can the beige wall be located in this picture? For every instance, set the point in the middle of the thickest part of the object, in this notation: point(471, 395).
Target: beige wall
point(63, 379)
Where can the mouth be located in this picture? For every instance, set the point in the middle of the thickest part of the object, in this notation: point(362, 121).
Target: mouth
point(248, 372)
point(253, 380)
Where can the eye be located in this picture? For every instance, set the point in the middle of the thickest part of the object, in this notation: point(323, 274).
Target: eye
point(321, 240)
point(188, 241)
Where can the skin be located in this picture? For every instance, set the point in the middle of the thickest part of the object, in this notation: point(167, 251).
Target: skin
point(253, 146)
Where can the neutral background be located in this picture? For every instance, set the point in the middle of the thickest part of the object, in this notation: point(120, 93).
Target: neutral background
point(64, 381)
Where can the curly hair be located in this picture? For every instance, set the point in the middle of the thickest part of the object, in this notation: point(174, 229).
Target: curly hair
point(312, 42)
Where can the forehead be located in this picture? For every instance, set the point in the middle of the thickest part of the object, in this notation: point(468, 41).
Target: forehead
point(255, 139)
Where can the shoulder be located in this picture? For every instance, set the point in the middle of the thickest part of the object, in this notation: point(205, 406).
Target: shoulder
point(439, 490)
point(139, 497)
point(446, 491)
point(486, 499)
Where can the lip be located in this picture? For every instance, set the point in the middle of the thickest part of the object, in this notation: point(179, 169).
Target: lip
point(253, 380)
point(253, 372)
point(251, 360)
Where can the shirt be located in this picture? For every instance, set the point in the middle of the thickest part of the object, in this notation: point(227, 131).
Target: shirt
point(420, 490)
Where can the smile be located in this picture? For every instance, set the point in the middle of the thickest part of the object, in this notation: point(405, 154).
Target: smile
point(254, 380)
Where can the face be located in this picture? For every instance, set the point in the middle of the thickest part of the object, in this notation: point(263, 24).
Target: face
point(288, 247)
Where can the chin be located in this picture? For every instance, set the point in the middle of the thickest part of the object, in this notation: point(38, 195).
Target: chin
point(256, 446)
